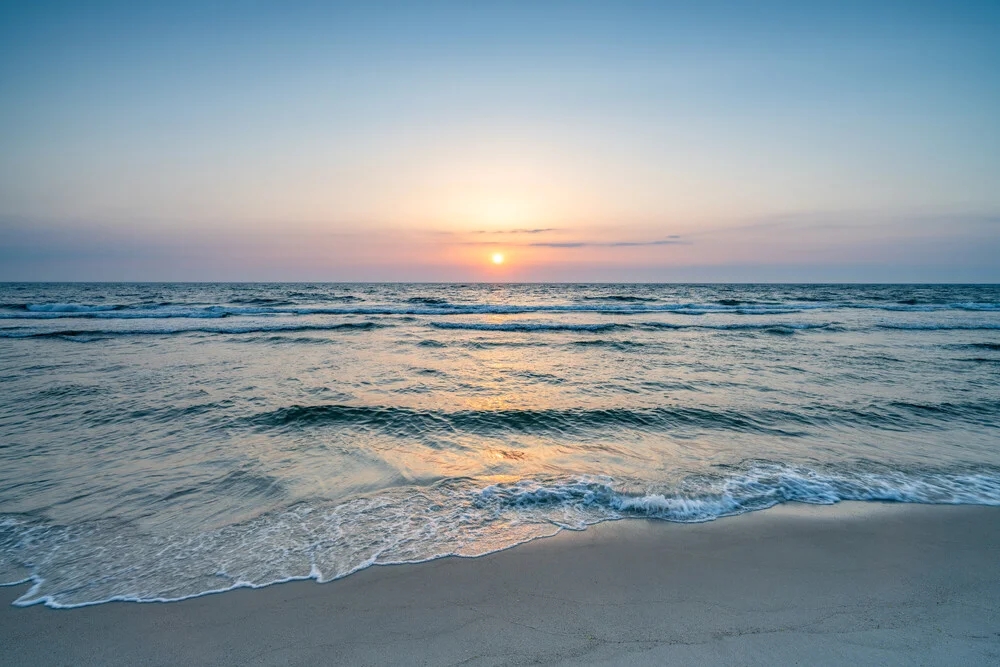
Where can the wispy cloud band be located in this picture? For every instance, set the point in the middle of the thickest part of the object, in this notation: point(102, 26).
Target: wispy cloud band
point(672, 240)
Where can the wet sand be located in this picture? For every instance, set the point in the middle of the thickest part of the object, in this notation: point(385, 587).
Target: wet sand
point(851, 584)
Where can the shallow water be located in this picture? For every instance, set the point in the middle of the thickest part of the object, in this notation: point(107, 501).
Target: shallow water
point(162, 441)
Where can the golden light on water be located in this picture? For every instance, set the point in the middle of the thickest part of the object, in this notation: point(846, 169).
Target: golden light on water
point(498, 258)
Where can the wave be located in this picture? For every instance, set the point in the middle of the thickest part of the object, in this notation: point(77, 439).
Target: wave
point(408, 422)
point(95, 334)
point(760, 485)
point(110, 560)
point(947, 326)
point(279, 339)
point(774, 327)
point(80, 334)
point(437, 306)
point(343, 298)
point(622, 345)
point(770, 327)
point(527, 326)
point(257, 301)
point(71, 308)
point(580, 422)
point(927, 307)
point(123, 313)
point(427, 300)
point(626, 298)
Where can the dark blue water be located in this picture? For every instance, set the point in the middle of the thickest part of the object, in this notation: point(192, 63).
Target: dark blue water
point(163, 441)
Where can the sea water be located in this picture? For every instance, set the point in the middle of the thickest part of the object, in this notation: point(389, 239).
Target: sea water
point(162, 441)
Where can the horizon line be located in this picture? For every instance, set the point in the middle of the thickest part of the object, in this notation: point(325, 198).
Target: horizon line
point(480, 282)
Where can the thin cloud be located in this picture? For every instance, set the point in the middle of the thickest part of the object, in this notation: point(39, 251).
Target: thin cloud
point(857, 220)
point(475, 232)
point(516, 231)
point(579, 244)
point(672, 240)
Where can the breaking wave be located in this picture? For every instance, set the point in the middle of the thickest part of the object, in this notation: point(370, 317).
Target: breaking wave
point(108, 560)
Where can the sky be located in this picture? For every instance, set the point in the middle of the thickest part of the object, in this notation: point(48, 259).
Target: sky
point(583, 141)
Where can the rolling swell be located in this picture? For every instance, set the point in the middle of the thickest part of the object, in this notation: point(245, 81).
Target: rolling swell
point(414, 423)
point(621, 345)
point(96, 334)
point(428, 300)
point(773, 327)
point(527, 326)
point(770, 327)
point(971, 326)
point(437, 306)
point(323, 541)
point(71, 308)
point(409, 422)
point(625, 298)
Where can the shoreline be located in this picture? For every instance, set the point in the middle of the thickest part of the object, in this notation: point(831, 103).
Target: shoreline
point(855, 582)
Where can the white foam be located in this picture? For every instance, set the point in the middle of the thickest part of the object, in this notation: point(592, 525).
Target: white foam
point(101, 561)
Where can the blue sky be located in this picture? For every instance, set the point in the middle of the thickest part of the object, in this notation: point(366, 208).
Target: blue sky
point(585, 141)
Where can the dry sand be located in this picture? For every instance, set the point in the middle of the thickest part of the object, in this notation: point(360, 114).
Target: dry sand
point(846, 585)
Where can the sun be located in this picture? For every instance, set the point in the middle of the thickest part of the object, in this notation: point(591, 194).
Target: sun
point(498, 258)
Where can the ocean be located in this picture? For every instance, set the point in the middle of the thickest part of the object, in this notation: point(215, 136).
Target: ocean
point(163, 441)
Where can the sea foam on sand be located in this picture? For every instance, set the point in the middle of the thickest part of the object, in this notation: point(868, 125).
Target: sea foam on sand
point(851, 584)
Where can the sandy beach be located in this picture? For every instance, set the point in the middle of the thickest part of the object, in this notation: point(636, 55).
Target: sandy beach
point(852, 584)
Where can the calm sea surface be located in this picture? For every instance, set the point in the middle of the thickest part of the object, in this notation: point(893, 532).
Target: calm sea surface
point(160, 441)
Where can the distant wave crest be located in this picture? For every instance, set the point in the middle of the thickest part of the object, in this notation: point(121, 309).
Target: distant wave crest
point(83, 335)
point(70, 308)
point(612, 304)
